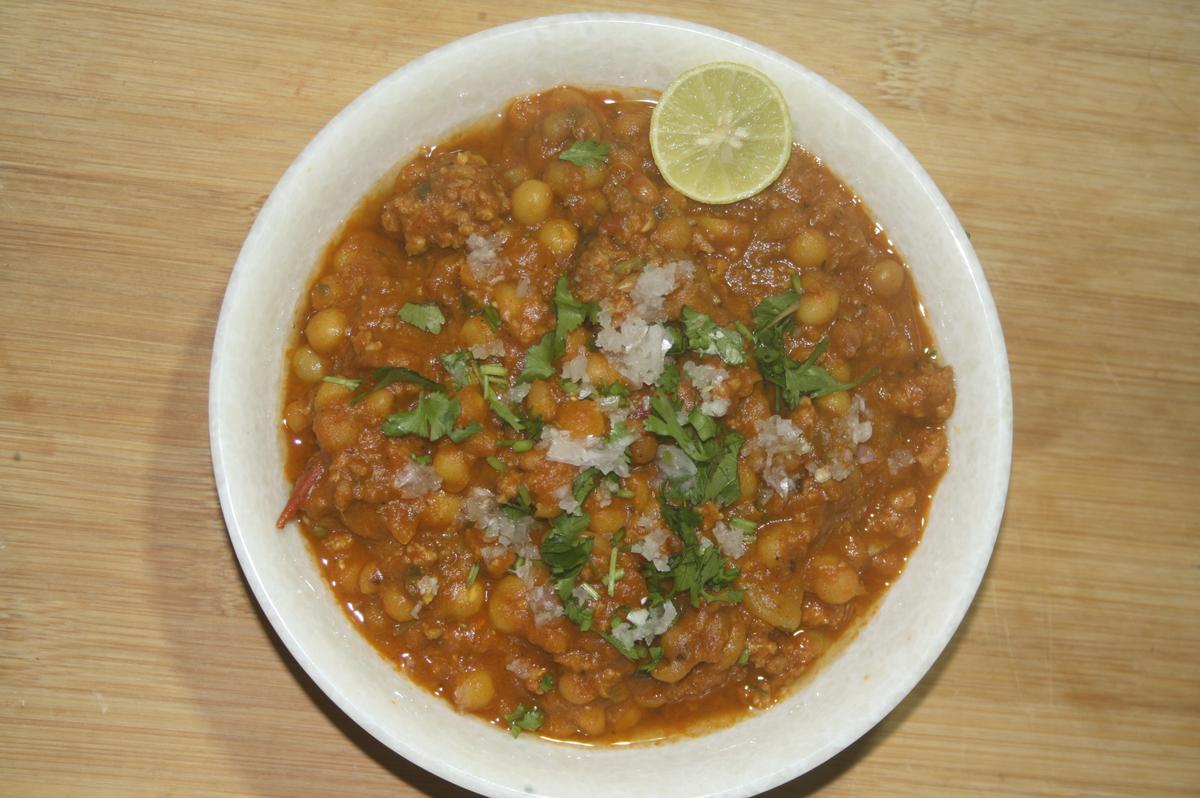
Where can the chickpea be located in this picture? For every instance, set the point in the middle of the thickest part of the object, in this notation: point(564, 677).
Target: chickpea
point(642, 188)
point(674, 233)
point(326, 329)
point(335, 430)
point(600, 370)
point(396, 603)
point(307, 365)
point(441, 510)
point(725, 231)
point(451, 465)
point(591, 721)
point(833, 579)
point(507, 609)
point(541, 400)
point(886, 277)
point(475, 331)
point(559, 237)
point(563, 177)
point(837, 403)
point(779, 605)
point(465, 602)
point(474, 691)
point(607, 520)
point(330, 392)
point(820, 302)
point(576, 689)
point(531, 202)
point(624, 716)
point(643, 449)
point(296, 416)
point(782, 223)
point(808, 249)
point(473, 407)
point(379, 403)
point(594, 176)
point(514, 176)
point(581, 417)
point(508, 302)
point(370, 578)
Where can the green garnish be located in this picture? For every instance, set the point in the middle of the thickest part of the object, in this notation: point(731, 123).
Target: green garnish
point(432, 417)
point(699, 570)
point(744, 525)
point(669, 381)
point(745, 657)
point(570, 312)
point(586, 153)
point(345, 382)
point(518, 445)
point(496, 463)
point(387, 375)
point(424, 317)
point(614, 573)
point(539, 361)
point(492, 317)
point(472, 575)
point(521, 719)
point(458, 366)
point(624, 493)
point(423, 459)
point(565, 550)
point(706, 337)
point(584, 484)
point(546, 683)
point(794, 379)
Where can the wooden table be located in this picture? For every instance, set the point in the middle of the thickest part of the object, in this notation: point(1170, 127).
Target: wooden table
point(137, 143)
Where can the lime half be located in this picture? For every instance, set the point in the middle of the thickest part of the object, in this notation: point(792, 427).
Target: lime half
point(721, 132)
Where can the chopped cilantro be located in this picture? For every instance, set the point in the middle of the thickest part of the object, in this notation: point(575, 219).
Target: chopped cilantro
point(669, 381)
point(458, 366)
point(745, 657)
point(664, 420)
point(614, 573)
point(505, 413)
point(539, 361)
point(521, 719)
point(584, 484)
point(546, 683)
point(704, 336)
point(423, 459)
point(586, 152)
point(492, 317)
point(571, 313)
point(612, 389)
point(699, 570)
point(387, 375)
point(570, 387)
point(472, 575)
point(497, 463)
point(345, 382)
point(624, 493)
point(744, 525)
point(794, 379)
point(518, 445)
point(424, 317)
point(565, 550)
point(432, 417)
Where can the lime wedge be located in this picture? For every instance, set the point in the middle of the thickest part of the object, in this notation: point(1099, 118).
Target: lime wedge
point(721, 132)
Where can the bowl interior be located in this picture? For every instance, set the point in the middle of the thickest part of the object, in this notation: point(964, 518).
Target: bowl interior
point(440, 93)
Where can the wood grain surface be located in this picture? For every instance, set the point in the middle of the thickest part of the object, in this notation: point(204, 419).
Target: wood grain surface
point(137, 142)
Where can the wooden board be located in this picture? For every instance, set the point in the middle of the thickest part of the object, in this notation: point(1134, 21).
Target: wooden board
point(137, 142)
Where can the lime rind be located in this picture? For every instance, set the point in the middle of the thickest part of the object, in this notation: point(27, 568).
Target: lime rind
point(721, 132)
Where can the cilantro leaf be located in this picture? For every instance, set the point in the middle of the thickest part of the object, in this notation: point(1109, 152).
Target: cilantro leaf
point(704, 336)
point(773, 310)
point(458, 366)
point(345, 382)
point(586, 152)
point(565, 550)
point(698, 570)
point(664, 420)
point(492, 317)
point(522, 719)
point(584, 484)
point(669, 381)
point(570, 311)
point(539, 361)
point(809, 379)
point(424, 317)
point(387, 375)
point(576, 611)
point(719, 480)
point(546, 683)
point(432, 417)
point(505, 413)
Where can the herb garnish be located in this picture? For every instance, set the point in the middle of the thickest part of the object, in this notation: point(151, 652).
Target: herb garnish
point(586, 152)
point(521, 719)
point(432, 417)
point(387, 375)
point(424, 317)
point(706, 337)
point(345, 382)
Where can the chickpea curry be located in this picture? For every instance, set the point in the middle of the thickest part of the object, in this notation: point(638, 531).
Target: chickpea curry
point(592, 460)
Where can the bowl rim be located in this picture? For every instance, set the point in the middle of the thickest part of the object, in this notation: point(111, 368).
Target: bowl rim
point(992, 517)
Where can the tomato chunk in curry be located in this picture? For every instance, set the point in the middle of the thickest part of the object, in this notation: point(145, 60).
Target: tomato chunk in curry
point(594, 461)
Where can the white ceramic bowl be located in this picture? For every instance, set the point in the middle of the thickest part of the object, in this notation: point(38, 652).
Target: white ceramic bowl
point(440, 93)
